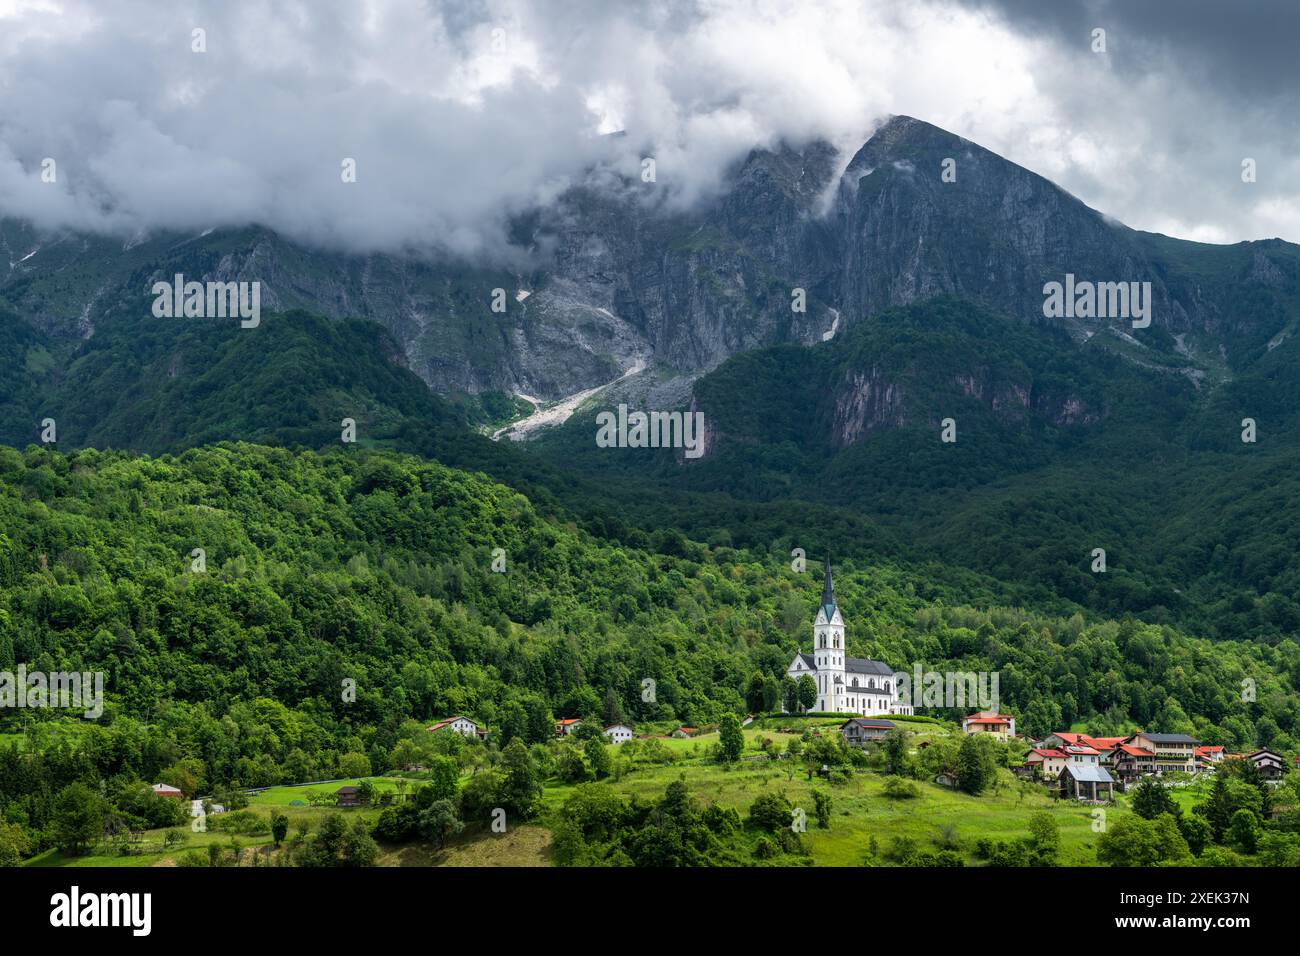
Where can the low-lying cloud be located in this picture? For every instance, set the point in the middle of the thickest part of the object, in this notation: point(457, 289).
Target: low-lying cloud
point(459, 115)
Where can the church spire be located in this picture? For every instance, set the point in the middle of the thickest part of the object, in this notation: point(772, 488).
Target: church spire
point(828, 590)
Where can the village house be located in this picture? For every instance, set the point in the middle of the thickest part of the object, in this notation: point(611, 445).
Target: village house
point(989, 722)
point(1082, 756)
point(1066, 739)
point(618, 733)
point(1208, 757)
point(858, 730)
point(1045, 763)
point(1269, 764)
point(1172, 751)
point(1127, 762)
point(681, 732)
point(566, 726)
point(461, 725)
point(347, 797)
point(165, 790)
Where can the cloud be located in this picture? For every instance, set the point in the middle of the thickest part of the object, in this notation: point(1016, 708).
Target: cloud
point(459, 115)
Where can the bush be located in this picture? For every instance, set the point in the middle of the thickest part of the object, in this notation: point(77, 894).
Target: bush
point(771, 812)
point(896, 788)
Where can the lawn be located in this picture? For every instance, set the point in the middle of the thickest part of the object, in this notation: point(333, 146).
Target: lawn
point(861, 811)
point(149, 851)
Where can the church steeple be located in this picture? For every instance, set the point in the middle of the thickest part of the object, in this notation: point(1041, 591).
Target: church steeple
point(828, 591)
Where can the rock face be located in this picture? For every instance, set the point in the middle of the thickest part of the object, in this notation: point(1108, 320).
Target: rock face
point(616, 278)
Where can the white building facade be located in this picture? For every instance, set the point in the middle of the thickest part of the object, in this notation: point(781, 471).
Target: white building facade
point(618, 733)
point(845, 684)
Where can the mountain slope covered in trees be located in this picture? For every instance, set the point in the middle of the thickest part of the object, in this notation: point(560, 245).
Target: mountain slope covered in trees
point(378, 568)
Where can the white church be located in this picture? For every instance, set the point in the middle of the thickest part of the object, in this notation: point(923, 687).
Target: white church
point(845, 684)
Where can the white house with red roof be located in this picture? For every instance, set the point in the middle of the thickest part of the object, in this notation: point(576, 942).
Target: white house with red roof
point(989, 722)
point(1129, 761)
point(1048, 762)
point(567, 726)
point(1207, 757)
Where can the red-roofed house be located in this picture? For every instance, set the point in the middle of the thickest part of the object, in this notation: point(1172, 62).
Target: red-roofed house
point(1046, 762)
point(989, 722)
point(1207, 757)
point(1063, 738)
point(1103, 744)
point(566, 726)
point(1129, 761)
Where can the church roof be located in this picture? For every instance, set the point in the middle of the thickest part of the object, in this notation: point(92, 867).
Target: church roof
point(856, 665)
point(863, 665)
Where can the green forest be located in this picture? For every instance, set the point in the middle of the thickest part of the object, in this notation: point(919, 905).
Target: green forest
point(373, 570)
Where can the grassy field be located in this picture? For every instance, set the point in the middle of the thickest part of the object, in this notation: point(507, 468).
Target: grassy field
point(149, 851)
point(939, 818)
point(861, 810)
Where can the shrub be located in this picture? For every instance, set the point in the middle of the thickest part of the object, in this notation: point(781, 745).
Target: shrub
point(896, 788)
point(771, 812)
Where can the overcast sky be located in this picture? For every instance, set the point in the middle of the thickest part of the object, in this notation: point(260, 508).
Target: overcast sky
point(460, 113)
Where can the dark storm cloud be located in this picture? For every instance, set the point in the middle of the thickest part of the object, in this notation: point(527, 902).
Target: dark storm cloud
point(460, 114)
point(1246, 48)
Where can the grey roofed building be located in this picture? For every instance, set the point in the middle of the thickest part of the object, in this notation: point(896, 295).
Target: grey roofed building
point(856, 665)
point(863, 665)
point(1089, 773)
point(1086, 782)
point(1169, 738)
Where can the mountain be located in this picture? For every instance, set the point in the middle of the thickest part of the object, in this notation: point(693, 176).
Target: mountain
point(623, 280)
point(997, 233)
point(615, 277)
point(924, 302)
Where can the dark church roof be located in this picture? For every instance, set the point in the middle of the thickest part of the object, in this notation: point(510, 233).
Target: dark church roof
point(864, 665)
point(828, 592)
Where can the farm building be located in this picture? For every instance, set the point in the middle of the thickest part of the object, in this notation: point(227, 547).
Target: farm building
point(858, 730)
point(618, 733)
point(1086, 782)
point(461, 725)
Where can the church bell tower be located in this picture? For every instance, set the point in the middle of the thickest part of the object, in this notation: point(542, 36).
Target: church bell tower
point(828, 648)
